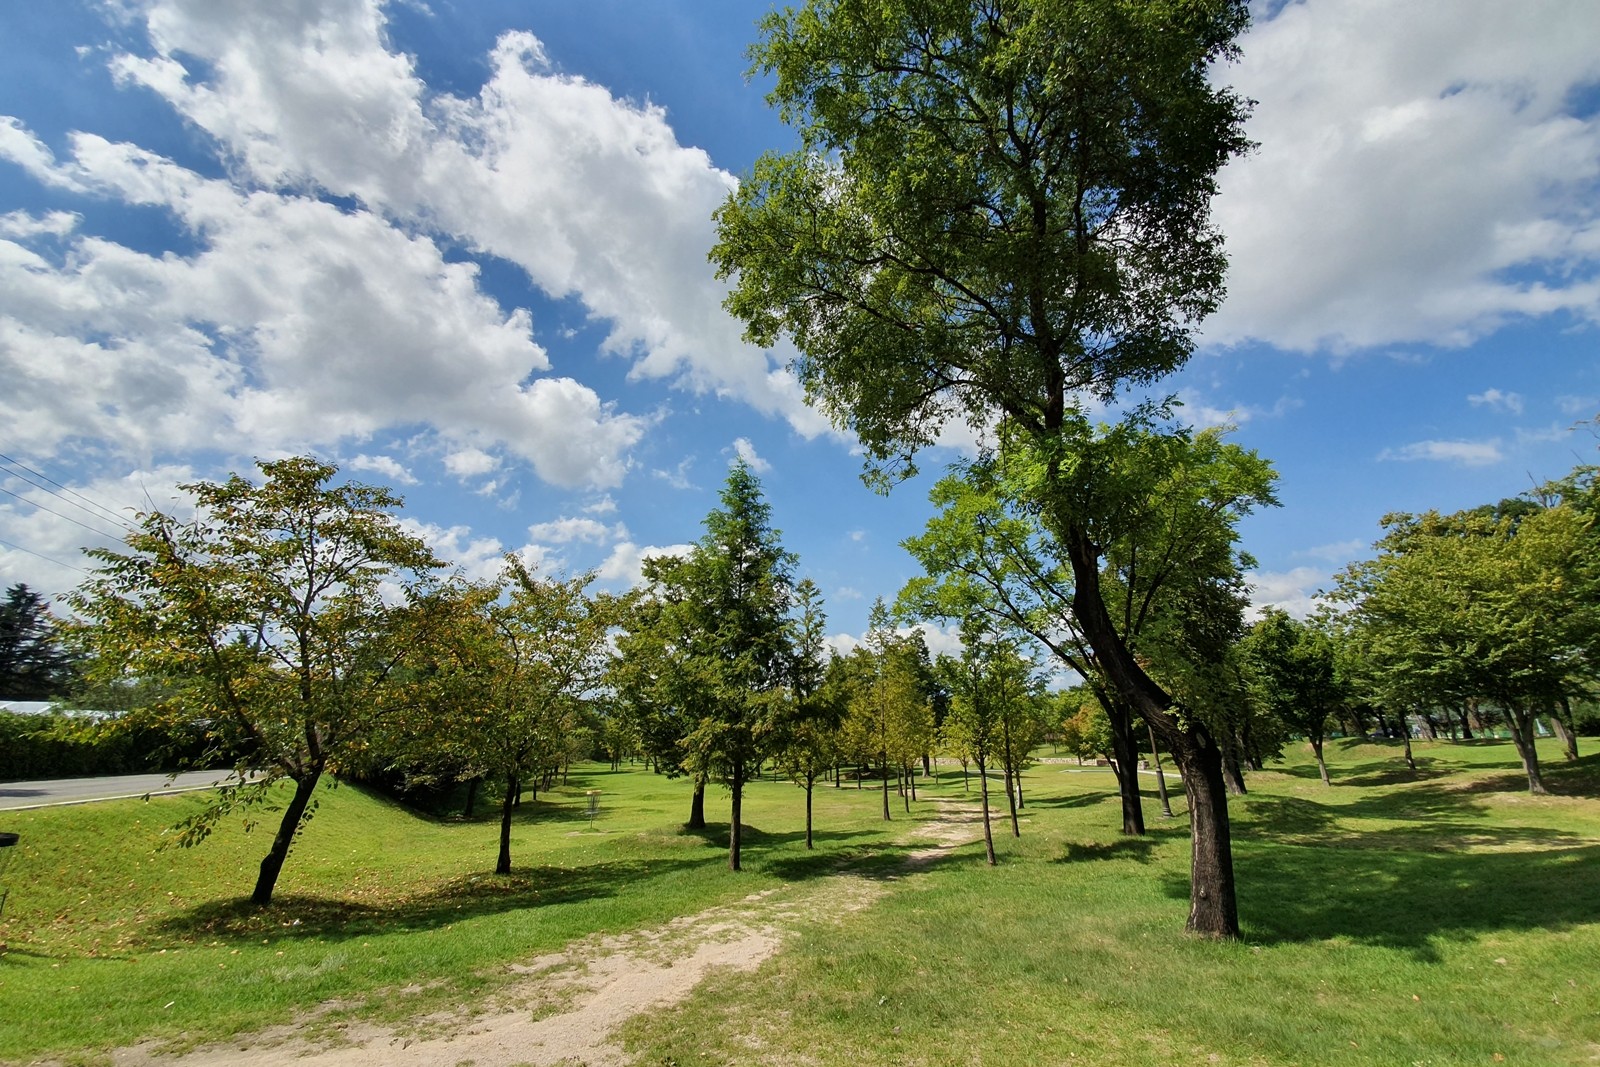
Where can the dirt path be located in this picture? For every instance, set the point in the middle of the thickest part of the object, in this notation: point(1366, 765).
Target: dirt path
point(566, 1006)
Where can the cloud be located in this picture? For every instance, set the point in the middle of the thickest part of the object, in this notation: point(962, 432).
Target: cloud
point(1495, 400)
point(1293, 591)
point(293, 324)
point(747, 452)
point(1465, 453)
point(476, 558)
point(1425, 173)
point(562, 531)
point(625, 565)
point(390, 468)
point(592, 196)
point(469, 462)
point(1586, 406)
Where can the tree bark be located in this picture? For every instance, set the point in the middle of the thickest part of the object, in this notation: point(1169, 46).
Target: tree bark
point(1322, 766)
point(697, 805)
point(472, 797)
point(1232, 776)
point(1213, 904)
point(1466, 727)
point(885, 788)
point(1522, 735)
point(1565, 728)
point(1011, 803)
point(988, 830)
point(809, 783)
point(734, 837)
point(1125, 767)
point(502, 865)
point(272, 863)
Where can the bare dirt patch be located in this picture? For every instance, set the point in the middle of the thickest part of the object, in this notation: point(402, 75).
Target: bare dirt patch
point(564, 1007)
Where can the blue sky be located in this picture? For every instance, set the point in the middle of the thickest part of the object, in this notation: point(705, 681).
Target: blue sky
point(459, 248)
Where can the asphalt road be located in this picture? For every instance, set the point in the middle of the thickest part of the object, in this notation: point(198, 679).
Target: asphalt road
point(43, 794)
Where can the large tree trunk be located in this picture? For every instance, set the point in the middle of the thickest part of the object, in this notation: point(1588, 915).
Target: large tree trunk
point(272, 864)
point(1125, 765)
point(1522, 735)
point(697, 805)
point(1322, 766)
point(1213, 905)
point(1161, 776)
point(513, 792)
point(1466, 726)
point(734, 836)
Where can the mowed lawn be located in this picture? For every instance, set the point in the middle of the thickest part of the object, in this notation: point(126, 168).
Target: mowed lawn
point(1396, 918)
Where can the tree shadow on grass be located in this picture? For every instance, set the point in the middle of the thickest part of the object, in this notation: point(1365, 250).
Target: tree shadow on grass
point(1410, 900)
point(1076, 800)
point(469, 896)
point(1136, 848)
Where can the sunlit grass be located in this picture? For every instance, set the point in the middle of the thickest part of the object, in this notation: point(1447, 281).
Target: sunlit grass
point(1395, 918)
point(113, 939)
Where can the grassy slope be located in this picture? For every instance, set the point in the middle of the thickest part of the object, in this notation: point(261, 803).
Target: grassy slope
point(113, 940)
point(1437, 918)
point(1446, 918)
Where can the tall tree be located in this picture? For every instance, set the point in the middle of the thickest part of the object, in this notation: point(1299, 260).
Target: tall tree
point(272, 614)
point(719, 628)
point(996, 209)
point(34, 663)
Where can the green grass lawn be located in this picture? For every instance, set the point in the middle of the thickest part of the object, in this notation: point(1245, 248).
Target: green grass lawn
point(1441, 917)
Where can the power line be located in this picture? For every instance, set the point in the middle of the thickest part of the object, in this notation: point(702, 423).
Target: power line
point(57, 514)
point(42, 556)
point(94, 504)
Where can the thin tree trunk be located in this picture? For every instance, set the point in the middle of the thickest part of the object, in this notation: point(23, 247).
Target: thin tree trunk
point(809, 782)
point(272, 863)
point(1466, 727)
point(472, 796)
point(503, 864)
point(1566, 729)
point(1011, 803)
point(1322, 766)
point(1232, 776)
point(1161, 776)
point(734, 836)
point(988, 830)
point(886, 788)
point(1522, 735)
point(1405, 735)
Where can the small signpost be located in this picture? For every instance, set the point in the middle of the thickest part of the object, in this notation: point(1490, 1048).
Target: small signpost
point(594, 805)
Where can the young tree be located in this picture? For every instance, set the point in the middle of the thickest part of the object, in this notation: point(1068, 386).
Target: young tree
point(512, 675)
point(272, 614)
point(808, 727)
point(717, 638)
point(890, 717)
point(1294, 672)
point(34, 664)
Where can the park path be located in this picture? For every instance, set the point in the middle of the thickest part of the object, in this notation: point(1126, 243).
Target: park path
point(566, 1007)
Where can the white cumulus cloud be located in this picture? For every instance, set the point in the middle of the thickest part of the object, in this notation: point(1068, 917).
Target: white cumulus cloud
point(1423, 174)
